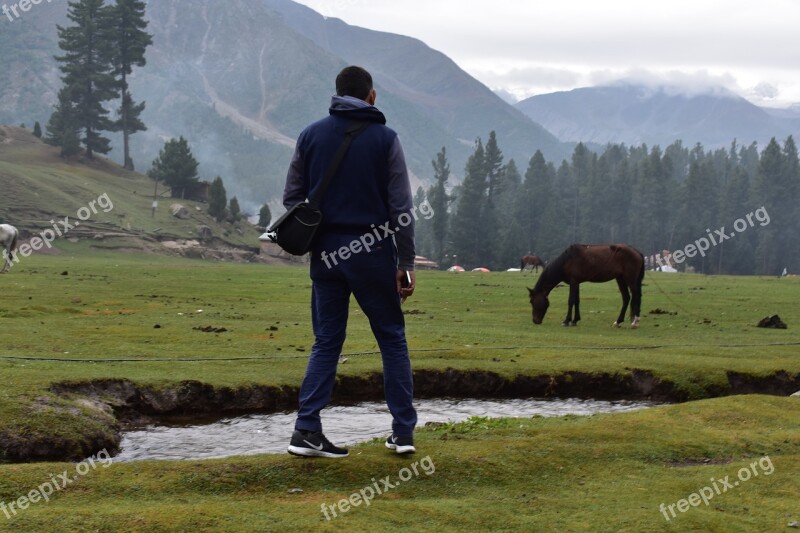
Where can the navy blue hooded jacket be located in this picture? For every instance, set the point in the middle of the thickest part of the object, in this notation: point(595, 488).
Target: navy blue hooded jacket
point(371, 185)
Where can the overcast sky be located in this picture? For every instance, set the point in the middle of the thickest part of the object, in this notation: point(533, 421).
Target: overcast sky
point(533, 47)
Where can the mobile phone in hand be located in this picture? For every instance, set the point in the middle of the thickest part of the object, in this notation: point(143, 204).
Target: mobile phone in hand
point(405, 283)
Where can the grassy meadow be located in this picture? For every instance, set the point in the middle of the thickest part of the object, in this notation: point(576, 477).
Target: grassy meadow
point(78, 316)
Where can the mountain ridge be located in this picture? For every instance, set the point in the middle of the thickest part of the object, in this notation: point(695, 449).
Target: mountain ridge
point(634, 114)
point(240, 80)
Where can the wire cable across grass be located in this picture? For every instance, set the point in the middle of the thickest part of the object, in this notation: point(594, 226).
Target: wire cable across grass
point(377, 352)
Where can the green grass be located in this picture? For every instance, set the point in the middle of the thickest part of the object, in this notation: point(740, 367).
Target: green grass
point(599, 473)
point(109, 307)
point(38, 186)
point(602, 473)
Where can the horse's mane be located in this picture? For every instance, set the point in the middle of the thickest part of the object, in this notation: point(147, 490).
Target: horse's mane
point(553, 273)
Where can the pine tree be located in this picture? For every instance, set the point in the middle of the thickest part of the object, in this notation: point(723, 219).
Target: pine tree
point(62, 129)
point(234, 211)
point(700, 211)
point(788, 218)
point(70, 143)
point(130, 40)
point(423, 229)
point(439, 202)
point(538, 210)
point(87, 70)
point(469, 237)
point(37, 130)
point(510, 233)
point(493, 166)
point(264, 216)
point(736, 256)
point(771, 194)
point(217, 199)
point(175, 164)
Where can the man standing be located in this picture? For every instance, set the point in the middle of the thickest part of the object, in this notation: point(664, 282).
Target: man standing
point(365, 248)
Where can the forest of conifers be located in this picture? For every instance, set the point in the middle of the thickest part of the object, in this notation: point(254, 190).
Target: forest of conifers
point(650, 198)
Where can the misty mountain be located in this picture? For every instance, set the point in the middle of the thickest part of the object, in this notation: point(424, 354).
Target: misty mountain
point(240, 79)
point(635, 114)
point(438, 91)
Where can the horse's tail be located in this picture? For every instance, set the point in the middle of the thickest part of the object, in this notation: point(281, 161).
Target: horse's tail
point(636, 308)
point(641, 272)
point(14, 240)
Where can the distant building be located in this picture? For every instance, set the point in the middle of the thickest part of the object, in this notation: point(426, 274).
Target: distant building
point(196, 192)
point(423, 263)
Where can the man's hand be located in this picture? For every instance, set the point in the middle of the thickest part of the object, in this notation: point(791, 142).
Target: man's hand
point(404, 288)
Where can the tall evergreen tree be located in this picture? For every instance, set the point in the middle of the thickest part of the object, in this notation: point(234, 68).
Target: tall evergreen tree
point(423, 230)
point(234, 210)
point(130, 40)
point(469, 239)
point(616, 198)
point(700, 211)
point(790, 178)
point(534, 197)
point(510, 232)
point(62, 129)
point(264, 216)
point(493, 166)
point(37, 130)
point(771, 194)
point(217, 199)
point(175, 164)
point(735, 256)
point(489, 215)
point(87, 70)
point(581, 176)
point(439, 202)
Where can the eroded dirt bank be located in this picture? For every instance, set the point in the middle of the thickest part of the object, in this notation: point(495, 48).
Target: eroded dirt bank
point(132, 403)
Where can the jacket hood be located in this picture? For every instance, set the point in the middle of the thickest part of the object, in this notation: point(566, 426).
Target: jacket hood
point(355, 109)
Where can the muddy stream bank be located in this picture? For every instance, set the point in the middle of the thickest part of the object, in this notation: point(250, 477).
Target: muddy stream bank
point(122, 405)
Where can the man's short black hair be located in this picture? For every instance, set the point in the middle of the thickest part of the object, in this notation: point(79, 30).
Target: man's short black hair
point(354, 81)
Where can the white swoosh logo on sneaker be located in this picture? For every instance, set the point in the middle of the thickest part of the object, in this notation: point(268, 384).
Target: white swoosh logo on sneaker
point(318, 448)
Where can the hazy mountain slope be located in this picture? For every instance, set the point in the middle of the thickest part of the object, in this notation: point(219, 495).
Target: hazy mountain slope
point(37, 186)
point(634, 114)
point(29, 78)
point(413, 72)
point(240, 79)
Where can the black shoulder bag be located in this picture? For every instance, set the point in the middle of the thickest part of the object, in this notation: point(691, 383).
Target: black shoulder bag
point(296, 229)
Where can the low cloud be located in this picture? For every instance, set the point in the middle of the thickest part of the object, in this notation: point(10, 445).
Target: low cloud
point(525, 82)
point(675, 82)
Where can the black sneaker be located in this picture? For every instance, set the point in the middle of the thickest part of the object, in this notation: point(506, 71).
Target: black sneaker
point(314, 444)
point(401, 444)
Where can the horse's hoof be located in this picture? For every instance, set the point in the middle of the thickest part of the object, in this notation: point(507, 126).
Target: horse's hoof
point(635, 323)
point(616, 325)
point(565, 324)
point(573, 324)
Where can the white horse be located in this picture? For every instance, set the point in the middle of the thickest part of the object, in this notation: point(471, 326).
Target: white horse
point(8, 240)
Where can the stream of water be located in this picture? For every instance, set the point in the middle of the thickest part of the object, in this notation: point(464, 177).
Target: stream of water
point(343, 425)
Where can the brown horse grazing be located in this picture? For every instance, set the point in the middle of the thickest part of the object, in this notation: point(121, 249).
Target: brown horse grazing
point(533, 261)
point(595, 263)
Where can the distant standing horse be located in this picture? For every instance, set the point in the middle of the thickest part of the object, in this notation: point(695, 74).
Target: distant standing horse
point(533, 261)
point(595, 263)
point(8, 240)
